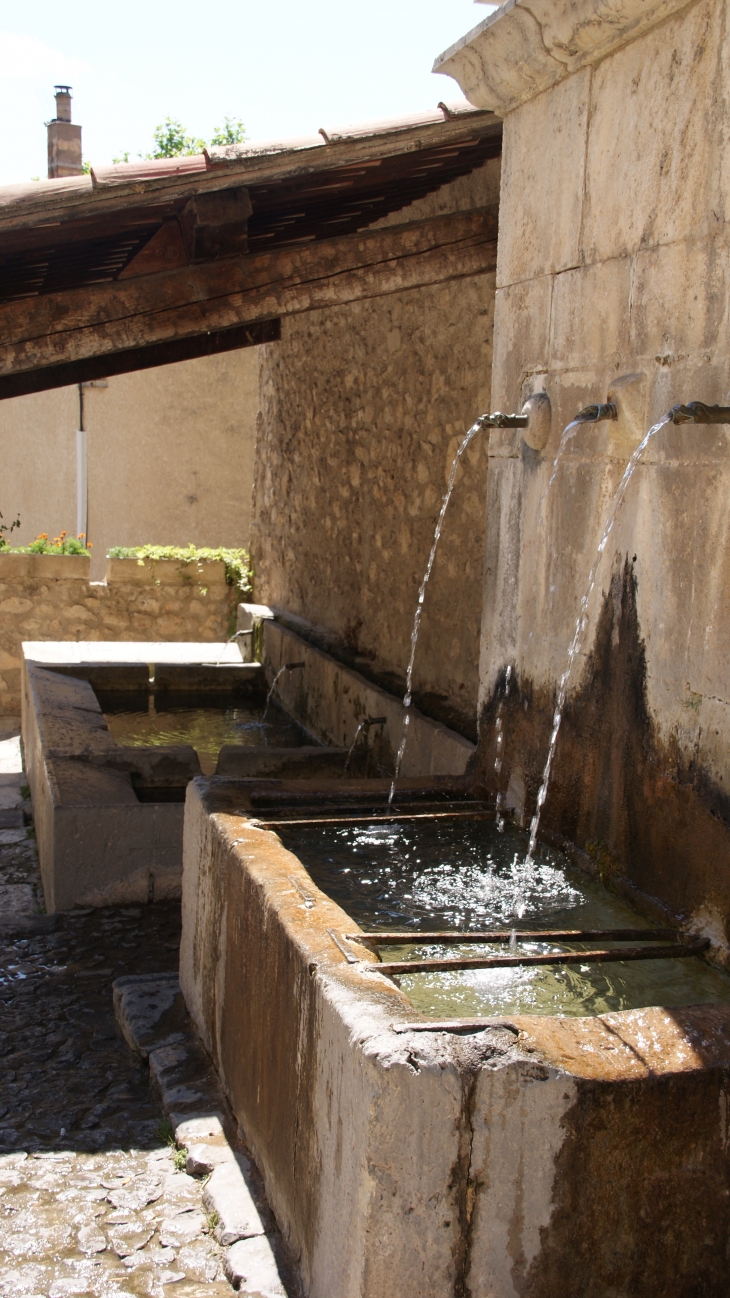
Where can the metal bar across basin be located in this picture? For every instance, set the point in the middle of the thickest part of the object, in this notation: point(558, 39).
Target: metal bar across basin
point(414, 938)
point(397, 817)
point(559, 957)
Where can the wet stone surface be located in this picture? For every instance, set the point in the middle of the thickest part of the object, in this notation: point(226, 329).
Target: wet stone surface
point(91, 1202)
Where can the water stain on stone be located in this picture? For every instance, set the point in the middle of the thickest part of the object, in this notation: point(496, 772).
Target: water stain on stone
point(646, 809)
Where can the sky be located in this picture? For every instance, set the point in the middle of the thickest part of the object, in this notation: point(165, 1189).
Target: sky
point(284, 68)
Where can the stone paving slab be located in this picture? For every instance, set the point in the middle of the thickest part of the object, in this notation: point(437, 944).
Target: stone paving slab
point(93, 1201)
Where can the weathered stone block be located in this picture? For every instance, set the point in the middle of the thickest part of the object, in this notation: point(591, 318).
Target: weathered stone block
point(543, 184)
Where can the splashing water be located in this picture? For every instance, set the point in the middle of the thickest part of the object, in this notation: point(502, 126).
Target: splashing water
point(580, 627)
point(475, 428)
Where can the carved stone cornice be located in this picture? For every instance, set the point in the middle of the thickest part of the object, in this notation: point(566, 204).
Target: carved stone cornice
point(526, 46)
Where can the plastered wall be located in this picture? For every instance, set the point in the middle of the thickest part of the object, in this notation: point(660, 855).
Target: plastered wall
point(170, 457)
point(362, 410)
point(613, 261)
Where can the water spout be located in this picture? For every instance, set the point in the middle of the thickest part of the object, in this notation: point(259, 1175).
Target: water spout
point(696, 412)
point(498, 420)
point(596, 413)
point(288, 667)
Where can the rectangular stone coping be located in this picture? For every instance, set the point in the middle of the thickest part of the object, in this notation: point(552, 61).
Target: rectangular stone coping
point(133, 651)
point(625, 1046)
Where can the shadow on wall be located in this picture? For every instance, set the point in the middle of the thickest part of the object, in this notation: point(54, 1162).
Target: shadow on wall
point(618, 788)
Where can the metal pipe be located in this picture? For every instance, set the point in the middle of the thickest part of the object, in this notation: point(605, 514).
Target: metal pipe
point(696, 412)
point(450, 936)
point(681, 950)
point(595, 414)
point(379, 819)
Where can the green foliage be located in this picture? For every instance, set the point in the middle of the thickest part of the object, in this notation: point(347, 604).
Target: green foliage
point(232, 132)
point(86, 168)
point(166, 1134)
point(238, 571)
point(172, 141)
point(165, 1131)
point(43, 544)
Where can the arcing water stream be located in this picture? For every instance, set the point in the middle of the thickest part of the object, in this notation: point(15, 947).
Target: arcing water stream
point(475, 428)
point(580, 626)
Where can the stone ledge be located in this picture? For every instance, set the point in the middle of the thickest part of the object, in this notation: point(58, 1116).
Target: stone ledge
point(526, 46)
point(146, 1007)
point(166, 572)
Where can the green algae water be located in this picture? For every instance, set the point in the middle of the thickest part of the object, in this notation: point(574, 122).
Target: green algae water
point(207, 729)
point(467, 875)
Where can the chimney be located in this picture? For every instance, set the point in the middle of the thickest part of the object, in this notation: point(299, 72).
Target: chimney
point(64, 139)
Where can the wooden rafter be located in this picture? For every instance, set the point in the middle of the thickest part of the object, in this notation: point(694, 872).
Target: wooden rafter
point(78, 325)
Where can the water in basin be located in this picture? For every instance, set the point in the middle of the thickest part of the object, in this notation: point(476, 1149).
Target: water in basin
point(206, 728)
point(466, 875)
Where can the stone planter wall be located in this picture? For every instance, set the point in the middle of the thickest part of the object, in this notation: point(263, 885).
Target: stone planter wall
point(50, 597)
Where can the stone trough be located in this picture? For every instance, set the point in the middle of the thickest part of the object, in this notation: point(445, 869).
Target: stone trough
point(109, 817)
point(535, 1156)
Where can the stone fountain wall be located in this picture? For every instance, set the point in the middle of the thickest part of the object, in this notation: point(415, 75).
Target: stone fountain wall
point(613, 280)
point(362, 410)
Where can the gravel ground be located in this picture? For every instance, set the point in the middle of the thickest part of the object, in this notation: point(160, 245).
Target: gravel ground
point(91, 1202)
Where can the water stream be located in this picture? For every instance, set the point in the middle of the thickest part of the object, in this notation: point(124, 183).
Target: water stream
point(475, 428)
point(580, 626)
point(288, 667)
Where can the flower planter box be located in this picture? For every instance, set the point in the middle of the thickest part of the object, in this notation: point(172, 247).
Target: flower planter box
point(44, 567)
point(166, 572)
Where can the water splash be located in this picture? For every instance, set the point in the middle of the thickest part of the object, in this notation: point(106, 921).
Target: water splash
point(475, 428)
point(288, 667)
point(580, 626)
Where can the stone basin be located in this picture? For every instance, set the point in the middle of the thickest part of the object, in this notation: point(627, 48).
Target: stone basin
point(538, 1156)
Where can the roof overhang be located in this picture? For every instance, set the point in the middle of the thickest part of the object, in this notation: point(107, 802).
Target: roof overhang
point(217, 247)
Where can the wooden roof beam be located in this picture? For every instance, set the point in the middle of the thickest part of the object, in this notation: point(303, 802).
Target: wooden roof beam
point(60, 328)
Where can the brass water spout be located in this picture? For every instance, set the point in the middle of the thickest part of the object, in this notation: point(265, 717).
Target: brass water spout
point(698, 413)
point(498, 420)
point(595, 414)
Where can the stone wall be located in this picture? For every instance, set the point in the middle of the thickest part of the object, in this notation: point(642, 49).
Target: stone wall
point(170, 456)
point(613, 282)
point(362, 410)
point(45, 597)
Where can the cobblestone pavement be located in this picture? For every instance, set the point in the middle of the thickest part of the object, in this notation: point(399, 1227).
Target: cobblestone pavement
point(91, 1202)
